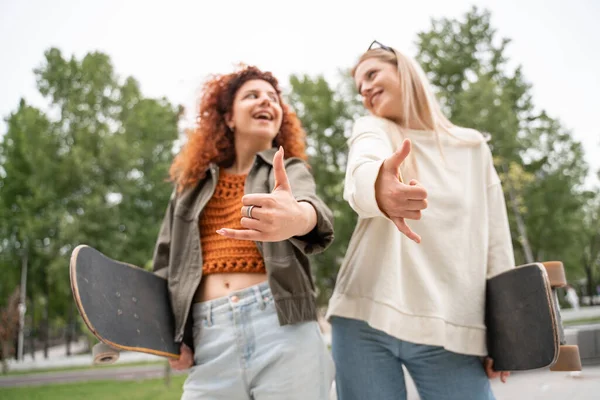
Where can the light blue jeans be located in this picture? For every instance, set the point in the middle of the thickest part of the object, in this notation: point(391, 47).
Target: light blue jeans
point(369, 366)
point(241, 352)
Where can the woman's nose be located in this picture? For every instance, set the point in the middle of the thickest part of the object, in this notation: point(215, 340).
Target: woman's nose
point(365, 90)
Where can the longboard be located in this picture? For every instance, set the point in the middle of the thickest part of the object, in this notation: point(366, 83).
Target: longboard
point(523, 320)
point(125, 307)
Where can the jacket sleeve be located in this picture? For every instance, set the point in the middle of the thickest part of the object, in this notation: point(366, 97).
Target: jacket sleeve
point(500, 250)
point(304, 189)
point(369, 146)
point(162, 249)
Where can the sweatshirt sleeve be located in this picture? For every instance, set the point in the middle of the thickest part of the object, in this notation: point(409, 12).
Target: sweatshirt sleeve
point(500, 251)
point(369, 146)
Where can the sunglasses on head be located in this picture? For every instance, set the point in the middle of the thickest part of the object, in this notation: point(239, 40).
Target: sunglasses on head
point(378, 45)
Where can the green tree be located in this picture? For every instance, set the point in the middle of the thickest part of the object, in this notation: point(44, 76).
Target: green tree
point(91, 170)
point(589, 239)
point(327, 114)
point(29, 204)
point(466, 61)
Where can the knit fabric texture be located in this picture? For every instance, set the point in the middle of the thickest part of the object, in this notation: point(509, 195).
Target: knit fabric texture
point(219, 253)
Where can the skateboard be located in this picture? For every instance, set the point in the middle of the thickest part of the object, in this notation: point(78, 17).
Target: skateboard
point(125, 307)
point(523, 320)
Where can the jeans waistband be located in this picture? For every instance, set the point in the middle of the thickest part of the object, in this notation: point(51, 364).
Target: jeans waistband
point(260, 294)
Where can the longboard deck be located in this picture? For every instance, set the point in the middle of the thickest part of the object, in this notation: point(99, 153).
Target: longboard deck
point(125, 307)
point(521, 321)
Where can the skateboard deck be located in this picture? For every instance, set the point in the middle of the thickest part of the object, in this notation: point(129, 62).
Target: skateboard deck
point(523, 320)
point(125, 307)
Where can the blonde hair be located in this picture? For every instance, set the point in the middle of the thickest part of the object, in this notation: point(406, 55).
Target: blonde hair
point(418, 101)
point(419, 104)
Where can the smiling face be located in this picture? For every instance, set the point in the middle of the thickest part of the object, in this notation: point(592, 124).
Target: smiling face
point(379, 85)
point(256, 113)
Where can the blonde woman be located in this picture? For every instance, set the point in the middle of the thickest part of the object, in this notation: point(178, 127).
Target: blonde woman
point(432, 227)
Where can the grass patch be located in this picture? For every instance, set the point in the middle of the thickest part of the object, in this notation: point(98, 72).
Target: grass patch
point(100, 390)
point(582, 321)
point(81, 368)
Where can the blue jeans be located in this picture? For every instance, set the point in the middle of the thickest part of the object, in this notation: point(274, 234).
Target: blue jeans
point(241, 352)
point(369, 366)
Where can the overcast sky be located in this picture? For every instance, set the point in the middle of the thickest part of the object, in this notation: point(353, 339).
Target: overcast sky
point(171, 46)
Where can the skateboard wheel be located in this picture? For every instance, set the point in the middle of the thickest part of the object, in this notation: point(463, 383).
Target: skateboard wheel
point(556, 273)
point(568, 359)
point(104, 354)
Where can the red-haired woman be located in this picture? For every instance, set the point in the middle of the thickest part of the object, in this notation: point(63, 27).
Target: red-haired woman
point(234, 244)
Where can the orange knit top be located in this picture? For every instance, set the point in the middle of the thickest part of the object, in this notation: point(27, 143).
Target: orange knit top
point(219, 253)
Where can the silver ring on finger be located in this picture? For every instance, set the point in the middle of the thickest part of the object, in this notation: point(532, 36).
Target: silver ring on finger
point(249, 212)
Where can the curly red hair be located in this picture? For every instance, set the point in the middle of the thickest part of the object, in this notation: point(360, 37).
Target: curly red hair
point(211, 140)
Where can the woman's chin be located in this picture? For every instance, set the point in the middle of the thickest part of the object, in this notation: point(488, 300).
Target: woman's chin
point(384, 110)
point(260, 136)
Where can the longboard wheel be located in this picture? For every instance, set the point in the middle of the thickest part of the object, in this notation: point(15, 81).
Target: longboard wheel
point(104, 354)
point(568, 359)
point(556, 273)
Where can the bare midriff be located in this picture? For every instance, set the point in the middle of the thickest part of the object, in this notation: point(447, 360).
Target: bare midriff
point(214, 286)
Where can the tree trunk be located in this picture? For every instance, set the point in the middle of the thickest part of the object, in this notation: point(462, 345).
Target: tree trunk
point(46, 317)
point(22, 305)
point(518, 219)
point(16, 343)
point(45, 330)
point(32, 330)
point(3, 355)
point(69, 333)
point(589, 274)
point(593, 262)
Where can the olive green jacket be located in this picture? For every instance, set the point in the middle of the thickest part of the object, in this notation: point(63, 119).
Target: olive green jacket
point(178, 253)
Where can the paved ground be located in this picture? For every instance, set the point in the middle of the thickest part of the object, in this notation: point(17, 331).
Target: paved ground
point(548, 385)
point(535, 385)
point(122, 373)
point(57, 359)
point(569, 314)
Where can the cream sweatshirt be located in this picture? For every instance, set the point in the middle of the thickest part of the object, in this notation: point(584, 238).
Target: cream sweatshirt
point(434, 292)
